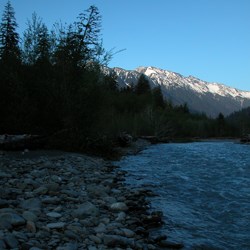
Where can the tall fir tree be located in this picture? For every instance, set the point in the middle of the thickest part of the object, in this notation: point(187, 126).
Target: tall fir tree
point(9, 38)
point(36, 42)
point(142, 86)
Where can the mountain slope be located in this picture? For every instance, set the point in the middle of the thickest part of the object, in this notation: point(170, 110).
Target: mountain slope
point(201, 96)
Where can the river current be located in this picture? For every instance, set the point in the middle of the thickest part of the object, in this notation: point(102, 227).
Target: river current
point(203, 190)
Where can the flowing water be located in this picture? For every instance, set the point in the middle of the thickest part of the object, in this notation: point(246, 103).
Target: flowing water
point(203, 188)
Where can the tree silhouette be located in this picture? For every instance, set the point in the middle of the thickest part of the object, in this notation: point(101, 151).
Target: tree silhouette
point(9, 38)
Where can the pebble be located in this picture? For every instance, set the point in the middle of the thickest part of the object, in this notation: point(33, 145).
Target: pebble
point(54, 215)
point(119, 206)
point(57, 225)
point(67, 201)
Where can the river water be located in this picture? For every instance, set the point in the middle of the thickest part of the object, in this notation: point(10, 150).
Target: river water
point(203, 190)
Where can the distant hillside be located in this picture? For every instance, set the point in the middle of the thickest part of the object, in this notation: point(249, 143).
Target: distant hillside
point(201, 96)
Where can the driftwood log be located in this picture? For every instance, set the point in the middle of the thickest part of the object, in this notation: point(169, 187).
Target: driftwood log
point(22, 142)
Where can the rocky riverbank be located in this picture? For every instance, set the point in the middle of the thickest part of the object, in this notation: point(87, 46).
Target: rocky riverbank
point(67, 201)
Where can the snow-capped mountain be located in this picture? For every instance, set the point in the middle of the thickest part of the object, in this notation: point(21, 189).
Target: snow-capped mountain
point(201, 96)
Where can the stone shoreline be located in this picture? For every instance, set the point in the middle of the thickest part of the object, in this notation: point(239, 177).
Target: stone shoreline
point(68, 201)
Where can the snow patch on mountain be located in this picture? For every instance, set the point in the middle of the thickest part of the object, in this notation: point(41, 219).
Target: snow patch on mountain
point(201, 96)
point(167, 78)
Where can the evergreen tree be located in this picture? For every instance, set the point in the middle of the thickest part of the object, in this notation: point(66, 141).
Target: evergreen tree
point(142, 86)
point(9, 38)
point(158, 100)
point(36, 44)
point(88, 33)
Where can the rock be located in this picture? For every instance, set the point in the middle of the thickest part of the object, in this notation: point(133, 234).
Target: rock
point(31, 227)
point(68, 246)
point(86, 209)
point(54, 215)
point(41, 190)
point(51, 200)
point(13, 219)
point(52, 187)
point(71, 235)
point(22, 236)
point(77, 228)
point(29, 216)
point(92, 248)
point(3, 203)
point(121, 217)
point(101, 228)
point(4, 175)
point(128, 233)
point(95, 239)
point(159, 238)
point(97, 190)
point(116, 240)
point(119, 206)
point(57, 225)
point(2, 244)
point(30, 204)
point(11, 241)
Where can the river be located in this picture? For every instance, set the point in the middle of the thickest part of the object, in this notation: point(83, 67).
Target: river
point(203, 190)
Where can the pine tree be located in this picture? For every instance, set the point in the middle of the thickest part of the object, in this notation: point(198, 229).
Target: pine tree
point(9, 38)
point(158, 100)
point(37, 44)
point(142, 86)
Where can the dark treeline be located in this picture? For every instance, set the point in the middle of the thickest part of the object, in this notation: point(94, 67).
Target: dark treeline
point(53, 81)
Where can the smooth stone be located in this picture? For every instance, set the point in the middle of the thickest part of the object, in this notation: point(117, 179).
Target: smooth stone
point(29, 216)
point(95, 239)
point(51, 200)
point(119, 206)
point(5, 224)
point(71, 193)
point(14, 219)
point(20, 235)
point(4, 175)
point(2, 244)
point(3, 203)
point(77, 228)
point(101, 228)
point(116, 240)
point(54, 215)
point(97, 190)
point(33, 203)
point(92, 248)
point(11, 241)
point(128, 233)
point(121, 217)
point(56, 225)
point(68, 246)
point(52, 187)
point(31, 227)
point(71, 235)
point(41, 190)
point(86, 209)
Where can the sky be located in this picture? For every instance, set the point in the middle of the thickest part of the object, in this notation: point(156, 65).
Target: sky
point(208, 39)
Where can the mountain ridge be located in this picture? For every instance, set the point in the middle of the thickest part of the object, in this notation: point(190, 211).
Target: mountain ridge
point(201, 96)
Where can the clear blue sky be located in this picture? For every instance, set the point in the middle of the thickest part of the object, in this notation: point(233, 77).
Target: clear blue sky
point(209, 39)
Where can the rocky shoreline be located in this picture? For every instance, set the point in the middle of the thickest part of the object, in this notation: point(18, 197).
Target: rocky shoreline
point(68, 201)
